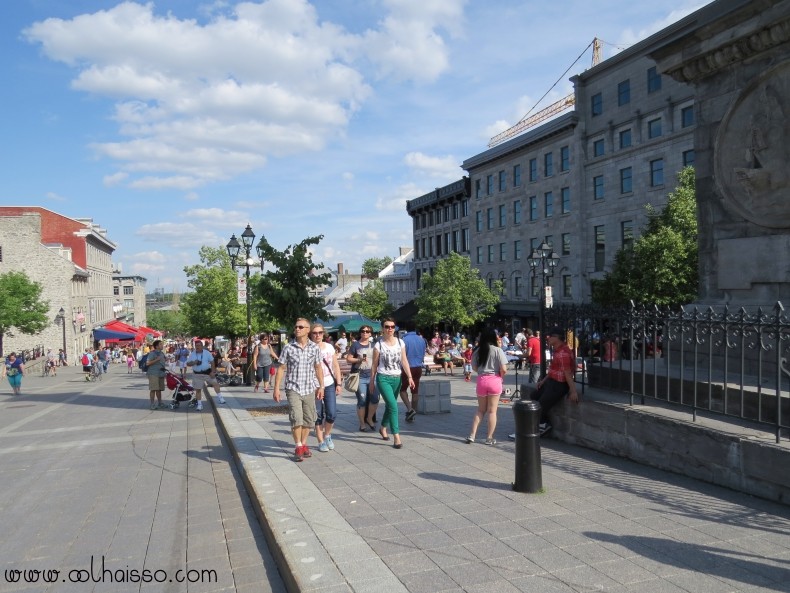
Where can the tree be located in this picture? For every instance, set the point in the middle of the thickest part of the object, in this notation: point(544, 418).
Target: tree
point(372, 266)
point(292, 288)
point(172, 323)
point(661, 267)
point(455, 294)
point(21, 306)
point(371, 301)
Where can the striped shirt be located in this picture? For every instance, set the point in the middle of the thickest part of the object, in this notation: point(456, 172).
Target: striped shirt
point(300, 367)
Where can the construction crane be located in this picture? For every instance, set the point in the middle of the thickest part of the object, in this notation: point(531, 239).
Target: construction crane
point(530, 121)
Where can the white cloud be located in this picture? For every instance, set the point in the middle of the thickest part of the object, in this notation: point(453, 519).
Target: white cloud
point(146, 268)
point(447, 167)
point(150, 256)
point(55, 197)
point(396, 201)
point(115, 179)
point(191, 196)
point(179, 234)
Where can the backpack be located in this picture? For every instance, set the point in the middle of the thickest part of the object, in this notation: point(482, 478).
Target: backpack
point(85, 360)
point(143, 362)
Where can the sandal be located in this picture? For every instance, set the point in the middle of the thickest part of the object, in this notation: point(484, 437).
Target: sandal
point(385, 437)
point(372, 427)
point(363, 429)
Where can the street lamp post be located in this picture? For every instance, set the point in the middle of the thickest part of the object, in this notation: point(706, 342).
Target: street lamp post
point(543, 261)
point(234, 249)
point(61, 317)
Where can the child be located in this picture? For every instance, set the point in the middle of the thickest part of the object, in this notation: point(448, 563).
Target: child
point(468, 363)
point(129, 363)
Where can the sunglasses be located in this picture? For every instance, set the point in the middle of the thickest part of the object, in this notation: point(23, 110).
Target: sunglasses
point(364, 331)
point(389, 327)
point(301, 327)
point(316, 333)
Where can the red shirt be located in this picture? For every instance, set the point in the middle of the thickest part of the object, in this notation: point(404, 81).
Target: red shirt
point(534, 354)
point(562, 361)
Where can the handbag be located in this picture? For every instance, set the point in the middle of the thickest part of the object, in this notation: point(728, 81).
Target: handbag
point(272, 371)
point(352, 382)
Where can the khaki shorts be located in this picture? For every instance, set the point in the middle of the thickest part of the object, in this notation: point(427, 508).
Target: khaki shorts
point(156, 383)
point(301, 409)
point(198, 381)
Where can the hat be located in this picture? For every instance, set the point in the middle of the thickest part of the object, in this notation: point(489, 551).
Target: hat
point(557, 331)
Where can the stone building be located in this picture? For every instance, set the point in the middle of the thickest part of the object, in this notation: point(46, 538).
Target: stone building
point(130, 298)
point(398, 278)
point(72, 260)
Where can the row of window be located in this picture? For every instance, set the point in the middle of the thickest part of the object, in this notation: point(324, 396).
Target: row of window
point(599, 238)
point(654, 130)
point(501, 179)
point(626, 176)
point(624, 92)
point(536, 284)
point(126, 290)
point(491, 250)
point(499, 217)
point(442, 244)
point(447, 213)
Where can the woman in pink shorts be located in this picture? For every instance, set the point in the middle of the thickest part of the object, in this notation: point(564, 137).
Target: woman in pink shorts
point(490, 363)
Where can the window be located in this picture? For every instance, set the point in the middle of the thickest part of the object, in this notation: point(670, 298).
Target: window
point(533, 207)
point(502, 216)
point(502, 251)
point(116, 290)
point(430, 218)
point(548, 164)
point(536, 286)
point(490, 219)
point(464, 240)
point(424, 220)
point(654, 128)
point(128, 290)
point(438, 245)
point(598, 147)
point(600, 247)
point(687, 116)
point(625, 138)
point(128, 303)
point(567, 286)
point(464, 208)
point(502, 181)
point(596, 104)
point(549, 239)
point(548, 202)
point(479, 221)
point(478, 189)
point(447, 214)
point(657, 172)
point(480, 254)
point(688, 158)
point(627, 234)
point(533, 169)
point(490, 184)
point(624, 93)
point(565, 200)
point(517, 212)
point(455, 211)
point(566, 243)
point(430, 247)
point(533, 244)
point(565, 158)
point(517, 250)
point(598, 187)
point(516, 175)
point(447, 244)
point(490, 254)
point(424, 254)
point(653, 80)
point(518, 288)
point(625, 181)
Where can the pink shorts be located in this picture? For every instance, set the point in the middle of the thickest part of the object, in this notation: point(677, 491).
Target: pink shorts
point(489, 385)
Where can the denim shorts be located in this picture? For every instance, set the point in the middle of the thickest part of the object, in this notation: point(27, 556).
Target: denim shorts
point(365, 396)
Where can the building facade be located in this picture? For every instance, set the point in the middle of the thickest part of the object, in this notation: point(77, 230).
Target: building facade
point(399, 279)
point(129, 305)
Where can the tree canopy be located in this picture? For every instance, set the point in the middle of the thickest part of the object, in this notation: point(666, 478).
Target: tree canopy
point(371, 301)
point(661, 267)
point(21, 306)
point(292, 288)
point(455, 294)
point(172, 323)
point(373, 265)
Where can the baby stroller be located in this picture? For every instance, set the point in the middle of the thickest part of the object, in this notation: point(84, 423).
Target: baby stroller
point(182, 390)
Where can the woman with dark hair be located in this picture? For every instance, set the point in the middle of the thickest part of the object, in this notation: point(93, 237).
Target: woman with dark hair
point(14, 369)
point(155, 366)
point(490, 363)
point(360, 357)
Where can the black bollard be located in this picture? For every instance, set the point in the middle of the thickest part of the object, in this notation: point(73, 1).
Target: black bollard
point(528, 471)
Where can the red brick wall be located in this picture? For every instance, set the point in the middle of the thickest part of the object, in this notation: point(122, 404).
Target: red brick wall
point(56, 228)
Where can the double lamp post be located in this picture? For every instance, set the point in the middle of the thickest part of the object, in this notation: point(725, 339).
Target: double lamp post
point(234, 249)
point(542, 262)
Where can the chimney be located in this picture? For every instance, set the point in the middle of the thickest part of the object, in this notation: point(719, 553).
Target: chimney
point(340, 268)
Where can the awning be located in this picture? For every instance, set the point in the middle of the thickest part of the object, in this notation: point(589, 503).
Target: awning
point(107, 334)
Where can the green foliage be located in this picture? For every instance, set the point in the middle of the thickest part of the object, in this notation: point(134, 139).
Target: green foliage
point(21, 306)
point(372, 266)
point(371, 301)
point(172, 323)
point(291, 289)
point(455, 294)
point(661, 268)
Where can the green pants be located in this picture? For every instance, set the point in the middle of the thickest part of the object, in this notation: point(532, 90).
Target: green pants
point(389, 387)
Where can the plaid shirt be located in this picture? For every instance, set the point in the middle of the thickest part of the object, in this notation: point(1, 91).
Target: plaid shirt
point(300, 367)
point(562, 361)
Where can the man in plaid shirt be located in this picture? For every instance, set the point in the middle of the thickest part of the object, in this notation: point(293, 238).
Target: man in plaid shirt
point(560, 379)
point(300, 363)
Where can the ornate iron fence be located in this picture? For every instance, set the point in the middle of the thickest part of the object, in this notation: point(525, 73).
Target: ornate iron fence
point(712, 358)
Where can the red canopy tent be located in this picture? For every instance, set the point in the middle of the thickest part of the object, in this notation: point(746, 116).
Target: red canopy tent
point(115, 325)
point(148, 330)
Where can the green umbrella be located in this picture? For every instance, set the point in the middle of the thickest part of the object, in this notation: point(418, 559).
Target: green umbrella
point(353, 325)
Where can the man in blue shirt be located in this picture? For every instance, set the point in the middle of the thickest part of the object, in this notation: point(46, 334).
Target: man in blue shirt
point(415, 346)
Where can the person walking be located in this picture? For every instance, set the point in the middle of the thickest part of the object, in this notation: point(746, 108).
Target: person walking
point(182, 355)
point(155, 370)
point(263, 357)
point(490, 363)
point(416, 346)
point(533, 356)
point(205, 369)
point(559, 381)
point(14, 370)
point(300, 364)
point(389, 361)
point(359, 356)
point(326, 408)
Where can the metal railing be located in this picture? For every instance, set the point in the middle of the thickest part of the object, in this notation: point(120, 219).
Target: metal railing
point(732, 362)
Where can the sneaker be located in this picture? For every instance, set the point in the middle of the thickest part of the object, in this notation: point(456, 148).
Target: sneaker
point(410, 415)
point(299, 453)
point(306, 451)
point(490, 441)
point(221, 399)
point(323, 447)
point(543, 428)
point(470, 440)
point(329, 442)
point(512, 436)
point(199, 406)
point(192, 403)
point(153, 406)
point(161, 405)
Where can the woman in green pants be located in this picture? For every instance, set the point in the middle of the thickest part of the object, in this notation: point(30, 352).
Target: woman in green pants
point(389, 360)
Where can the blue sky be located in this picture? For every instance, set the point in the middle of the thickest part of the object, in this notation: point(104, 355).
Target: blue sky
point(174, 124)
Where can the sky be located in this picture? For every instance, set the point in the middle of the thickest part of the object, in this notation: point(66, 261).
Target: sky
point(174, 124)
